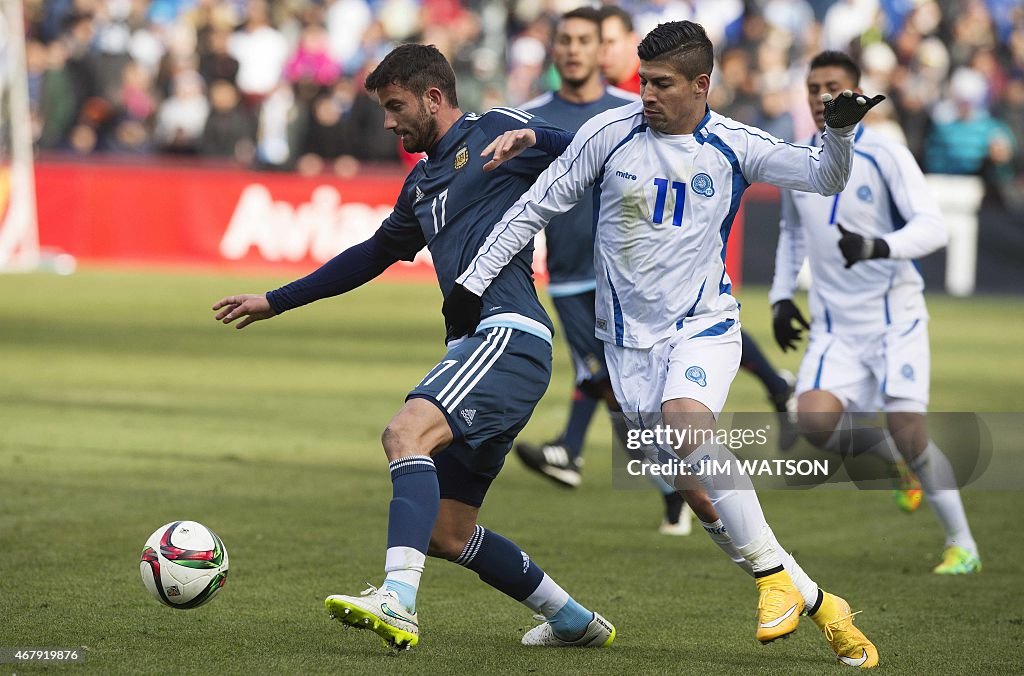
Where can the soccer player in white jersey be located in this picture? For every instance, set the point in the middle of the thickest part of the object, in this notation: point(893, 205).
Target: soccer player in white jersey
point(668, 174)
point(868, 346)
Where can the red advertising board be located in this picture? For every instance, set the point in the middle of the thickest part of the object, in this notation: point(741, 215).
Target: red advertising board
point(183, 215)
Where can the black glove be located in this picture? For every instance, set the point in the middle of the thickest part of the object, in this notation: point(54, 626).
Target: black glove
point(461, 311)
point(848, 108)
point(783, 314)
point(858, 248)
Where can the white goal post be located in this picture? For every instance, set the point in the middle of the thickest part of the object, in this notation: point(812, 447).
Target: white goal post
point(19, 235)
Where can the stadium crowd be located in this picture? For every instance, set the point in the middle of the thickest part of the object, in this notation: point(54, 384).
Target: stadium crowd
point(278, 84)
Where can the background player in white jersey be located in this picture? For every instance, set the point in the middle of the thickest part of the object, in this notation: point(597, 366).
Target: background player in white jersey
point(570, 261)
point(868, 346)
point(668, 174)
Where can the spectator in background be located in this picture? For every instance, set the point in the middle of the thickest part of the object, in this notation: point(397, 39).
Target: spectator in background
point(774, 116)
point(261, 51)
point(312, 61)
point(282, 122)
point(619, 61)
point(1011, 110)
point(341, 130)
point(215, 62)
point(136, 105)
point(347, 23)
point(965, 133)
point(182, 117)
point(57, 104)
point(229, 130)
point(735, 90)
point(79, 62)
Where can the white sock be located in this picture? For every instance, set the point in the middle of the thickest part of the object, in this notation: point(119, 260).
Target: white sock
point(720, 536)
point(547, 599)
point(940, 490)
point(807, 587)
point(738, 508)
point(404, 564)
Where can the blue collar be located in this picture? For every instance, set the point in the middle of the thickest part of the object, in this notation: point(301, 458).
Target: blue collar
point(705, 120)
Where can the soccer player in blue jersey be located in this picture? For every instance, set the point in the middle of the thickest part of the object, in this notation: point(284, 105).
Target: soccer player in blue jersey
point(576, 57)
point(448, 442)
point(668, 174)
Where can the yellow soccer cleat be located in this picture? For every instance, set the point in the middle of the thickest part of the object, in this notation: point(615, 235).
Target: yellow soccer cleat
point(778, 607)
point(958, 561)
point(380, 611)
point(908, 496)
point(849, 643)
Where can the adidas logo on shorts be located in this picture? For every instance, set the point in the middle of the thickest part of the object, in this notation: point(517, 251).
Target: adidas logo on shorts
point(468, 414)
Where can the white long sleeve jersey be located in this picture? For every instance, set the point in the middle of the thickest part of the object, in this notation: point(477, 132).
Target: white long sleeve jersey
point(663, 207)
point(887, 197)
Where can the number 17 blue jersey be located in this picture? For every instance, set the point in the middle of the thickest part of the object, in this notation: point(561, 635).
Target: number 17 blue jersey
point(449, 204)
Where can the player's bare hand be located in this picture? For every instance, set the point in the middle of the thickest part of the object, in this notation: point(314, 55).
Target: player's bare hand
point(507, 146)
point(250, 307)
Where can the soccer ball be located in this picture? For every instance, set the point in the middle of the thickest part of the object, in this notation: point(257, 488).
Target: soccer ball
point(184, 564)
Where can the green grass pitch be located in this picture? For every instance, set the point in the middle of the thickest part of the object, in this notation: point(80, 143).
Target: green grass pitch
point(123, 406)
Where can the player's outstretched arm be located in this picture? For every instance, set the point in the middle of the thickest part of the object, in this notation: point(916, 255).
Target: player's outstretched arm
point(786, 165)
point(250, 307)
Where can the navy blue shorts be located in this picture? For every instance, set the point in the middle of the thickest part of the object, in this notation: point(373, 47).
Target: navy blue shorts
point(487, 387)
point(576, 314)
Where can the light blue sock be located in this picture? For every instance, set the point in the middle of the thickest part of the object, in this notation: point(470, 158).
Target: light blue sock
point(570, 621)
point(406, 593)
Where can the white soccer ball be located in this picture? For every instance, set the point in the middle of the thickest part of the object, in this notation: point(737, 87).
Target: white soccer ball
point(184, 564)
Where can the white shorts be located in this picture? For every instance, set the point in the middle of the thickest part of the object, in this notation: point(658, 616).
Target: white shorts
point(697, 362)
point(885, 371)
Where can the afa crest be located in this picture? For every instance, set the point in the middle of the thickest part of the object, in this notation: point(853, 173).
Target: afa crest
point(461, 158)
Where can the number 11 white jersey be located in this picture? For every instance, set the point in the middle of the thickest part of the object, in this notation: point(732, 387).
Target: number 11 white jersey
point(663, 207)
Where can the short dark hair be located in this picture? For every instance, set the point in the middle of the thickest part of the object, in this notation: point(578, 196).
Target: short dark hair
point(684, 42)
point(609, 11)
point(587, 14)
point(416, 68)
point(840, 59)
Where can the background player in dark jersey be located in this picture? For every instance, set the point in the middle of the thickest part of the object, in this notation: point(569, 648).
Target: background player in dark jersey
point(448, 442)
point(570, 260)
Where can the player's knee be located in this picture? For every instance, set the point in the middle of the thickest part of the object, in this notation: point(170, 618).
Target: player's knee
point(818, 415)
point(399, 441)
point(909, 431)
point(446, 544)
point(814, 430)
